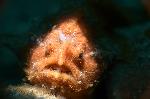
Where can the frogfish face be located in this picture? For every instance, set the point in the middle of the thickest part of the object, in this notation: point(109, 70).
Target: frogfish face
point(64, 59)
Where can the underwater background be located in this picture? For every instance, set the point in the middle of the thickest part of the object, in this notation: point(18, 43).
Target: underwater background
point(120, 27)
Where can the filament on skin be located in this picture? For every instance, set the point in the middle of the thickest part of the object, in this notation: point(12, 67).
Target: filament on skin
point(65, 59)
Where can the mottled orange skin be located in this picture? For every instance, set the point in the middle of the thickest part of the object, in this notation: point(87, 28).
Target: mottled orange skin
point(64, 59)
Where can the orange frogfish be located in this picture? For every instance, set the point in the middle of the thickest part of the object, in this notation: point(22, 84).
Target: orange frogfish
point(65, 59)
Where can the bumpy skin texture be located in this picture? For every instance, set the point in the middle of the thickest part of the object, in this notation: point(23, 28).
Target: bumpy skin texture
point(65, 59)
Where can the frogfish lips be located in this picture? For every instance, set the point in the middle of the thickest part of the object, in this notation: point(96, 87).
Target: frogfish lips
point(59, 69)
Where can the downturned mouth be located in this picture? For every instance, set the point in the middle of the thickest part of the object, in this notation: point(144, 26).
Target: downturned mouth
point(60, 69)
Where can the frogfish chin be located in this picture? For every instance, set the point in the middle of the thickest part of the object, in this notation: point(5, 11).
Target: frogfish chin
point(65, 59)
